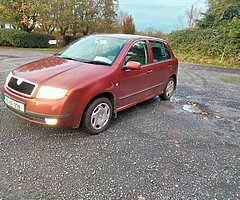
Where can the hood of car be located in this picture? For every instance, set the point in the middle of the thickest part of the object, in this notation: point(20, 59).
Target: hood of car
point(58, 72)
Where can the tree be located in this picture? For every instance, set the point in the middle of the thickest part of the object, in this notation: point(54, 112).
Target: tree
point(95, 16)
point(64, 15)
point(220, 12)
point(234, 30)
point(192, 14)
point(128, 25)
point(21, 14)
point(77, 16)
point(48, 16)
point(106, 16)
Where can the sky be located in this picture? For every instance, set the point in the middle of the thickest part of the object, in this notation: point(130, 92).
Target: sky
point(161, 15)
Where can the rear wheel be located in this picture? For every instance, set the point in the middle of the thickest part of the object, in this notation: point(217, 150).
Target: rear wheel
point(97, 116)
point(168, 90)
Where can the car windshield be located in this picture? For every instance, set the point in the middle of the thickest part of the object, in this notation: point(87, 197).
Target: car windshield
point(101, 50)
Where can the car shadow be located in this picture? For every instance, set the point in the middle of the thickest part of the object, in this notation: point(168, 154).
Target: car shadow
point(123, 116)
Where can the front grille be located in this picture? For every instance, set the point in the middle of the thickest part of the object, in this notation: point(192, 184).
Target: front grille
point(24, 87)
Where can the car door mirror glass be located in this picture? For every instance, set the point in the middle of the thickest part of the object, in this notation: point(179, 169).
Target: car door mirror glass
point(133, 65)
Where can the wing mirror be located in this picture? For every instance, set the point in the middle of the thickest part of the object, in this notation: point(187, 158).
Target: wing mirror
point(133, 65)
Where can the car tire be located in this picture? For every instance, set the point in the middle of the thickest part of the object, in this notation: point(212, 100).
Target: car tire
point(168, 90)
point(97, 116)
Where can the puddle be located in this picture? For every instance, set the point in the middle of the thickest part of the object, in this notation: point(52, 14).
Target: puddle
point(196, 108)
point(175, 99)
point(192, 108)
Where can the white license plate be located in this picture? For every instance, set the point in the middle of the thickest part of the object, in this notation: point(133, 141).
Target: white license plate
point(14, 104)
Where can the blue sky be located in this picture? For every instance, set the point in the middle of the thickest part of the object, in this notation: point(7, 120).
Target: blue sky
point(161, 15)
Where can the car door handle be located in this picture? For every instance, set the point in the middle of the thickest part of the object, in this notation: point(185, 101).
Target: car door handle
point(170, 66)
point(149, 71)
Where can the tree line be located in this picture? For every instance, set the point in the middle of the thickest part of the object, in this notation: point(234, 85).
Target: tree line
point(74, 16)
point(216, 35)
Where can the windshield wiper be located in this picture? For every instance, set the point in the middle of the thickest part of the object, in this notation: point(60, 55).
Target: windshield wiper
point(97, 62)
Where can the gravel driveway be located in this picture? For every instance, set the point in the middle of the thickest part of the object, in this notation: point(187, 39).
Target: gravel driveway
point(188, 148)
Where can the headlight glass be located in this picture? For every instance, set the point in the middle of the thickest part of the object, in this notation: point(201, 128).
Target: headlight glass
point(9, 77)
point(47, 92)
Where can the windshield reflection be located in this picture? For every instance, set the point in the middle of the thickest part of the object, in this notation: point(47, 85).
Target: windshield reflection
point(100, 50)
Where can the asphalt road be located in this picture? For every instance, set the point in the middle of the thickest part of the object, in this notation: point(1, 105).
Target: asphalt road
point(188, 148)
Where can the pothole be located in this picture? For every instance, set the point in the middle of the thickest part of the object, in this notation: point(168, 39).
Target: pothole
point(195, 108)
point(219, 133)
point(192, 109)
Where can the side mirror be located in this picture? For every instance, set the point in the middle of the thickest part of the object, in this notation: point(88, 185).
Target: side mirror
point(133, 65)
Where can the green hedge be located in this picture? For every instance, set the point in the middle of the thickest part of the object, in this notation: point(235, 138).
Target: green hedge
point(17, 38)
point(215, 43)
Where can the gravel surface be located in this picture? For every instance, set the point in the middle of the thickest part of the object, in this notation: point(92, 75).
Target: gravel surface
point(188, 148)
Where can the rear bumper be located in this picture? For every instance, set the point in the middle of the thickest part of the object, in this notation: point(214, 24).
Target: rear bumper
point(37, 110)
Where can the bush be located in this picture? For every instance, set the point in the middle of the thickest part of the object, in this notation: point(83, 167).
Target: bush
point(213, 43)
point(69, 39)
point(17, 38)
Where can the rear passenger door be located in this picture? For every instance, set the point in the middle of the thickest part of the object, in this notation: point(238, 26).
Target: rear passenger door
point(162, 64)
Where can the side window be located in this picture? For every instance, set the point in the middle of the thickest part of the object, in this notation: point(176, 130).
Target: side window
point(160, 51)
point(138, 53)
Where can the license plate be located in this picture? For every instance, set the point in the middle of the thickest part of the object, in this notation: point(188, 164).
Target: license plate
point(14, 104)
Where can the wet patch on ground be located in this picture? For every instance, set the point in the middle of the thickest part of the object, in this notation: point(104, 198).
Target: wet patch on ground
point(222, 115)
point(193, 107)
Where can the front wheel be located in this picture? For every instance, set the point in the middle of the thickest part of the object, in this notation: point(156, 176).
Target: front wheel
point(168, 90)
point(97, 116)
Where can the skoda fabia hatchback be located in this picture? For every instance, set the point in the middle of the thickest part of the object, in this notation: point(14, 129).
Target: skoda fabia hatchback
point(91, 80)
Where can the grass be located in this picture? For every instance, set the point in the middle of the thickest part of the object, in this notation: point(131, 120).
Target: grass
point(203, 60)
point(229, 79)
point(54, 50)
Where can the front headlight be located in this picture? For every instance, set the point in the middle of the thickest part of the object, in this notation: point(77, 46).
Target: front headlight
point(9, 77)
point(47, 92)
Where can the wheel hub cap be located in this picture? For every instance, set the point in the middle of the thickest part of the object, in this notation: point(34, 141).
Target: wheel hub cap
point(100, 116)
point(170, 88)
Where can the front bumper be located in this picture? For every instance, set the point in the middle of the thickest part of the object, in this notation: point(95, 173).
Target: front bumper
point(38, 117)
point(37, 110)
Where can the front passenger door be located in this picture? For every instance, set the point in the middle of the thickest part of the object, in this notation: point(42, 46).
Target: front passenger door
point(136, 85)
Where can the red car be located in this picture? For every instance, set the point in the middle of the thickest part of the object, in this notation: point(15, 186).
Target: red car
point(91, 80)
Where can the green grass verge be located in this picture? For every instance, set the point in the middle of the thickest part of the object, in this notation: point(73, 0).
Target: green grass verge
point(194, 58)
point(229, 79)
point(54, 50)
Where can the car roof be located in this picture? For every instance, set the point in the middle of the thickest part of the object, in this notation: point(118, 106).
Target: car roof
point(129, 36)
